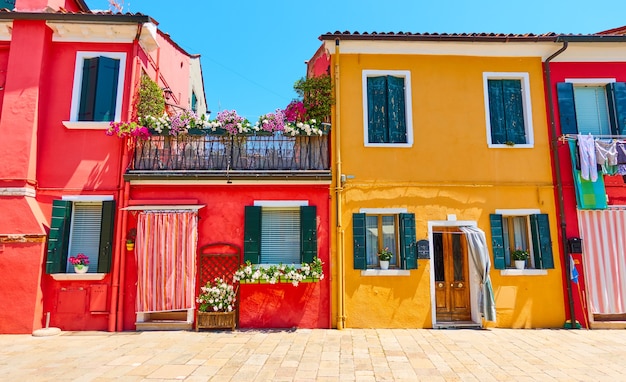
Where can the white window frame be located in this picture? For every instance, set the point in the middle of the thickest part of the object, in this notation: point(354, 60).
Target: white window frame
point(74, 123)
point(528, 271)
point(278, 204)
point(526, 105)
point(592, 82)
point(406, 74)
point(378, 271)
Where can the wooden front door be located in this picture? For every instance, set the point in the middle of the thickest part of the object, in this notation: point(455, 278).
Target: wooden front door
point(452, 292)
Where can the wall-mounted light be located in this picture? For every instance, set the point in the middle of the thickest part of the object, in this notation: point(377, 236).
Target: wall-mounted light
point(167, 92)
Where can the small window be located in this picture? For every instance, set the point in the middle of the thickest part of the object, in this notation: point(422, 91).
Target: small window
point(80, 227)
point(387, 108)
point(592, 113)
point(275, 235)
point(529, 233)
point(507, 105)
point(98, 87)
point(194, 102)
point(374, 232)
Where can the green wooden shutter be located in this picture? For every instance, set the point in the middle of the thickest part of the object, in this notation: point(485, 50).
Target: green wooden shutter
point(308, 233)
point(542, 244)
point(88, 89)
point(408, 247)
point(58, 238)
point(396, 110)
point(514, 111)
point(252, 235)
point(567, 109)
point(358, 233)
point(106, 236)
point(377, 131)
point(497, 241)
point(106, 89)
point(616, 97)
point(496, 112)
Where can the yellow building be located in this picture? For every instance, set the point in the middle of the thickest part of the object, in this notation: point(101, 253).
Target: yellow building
point(437, 138)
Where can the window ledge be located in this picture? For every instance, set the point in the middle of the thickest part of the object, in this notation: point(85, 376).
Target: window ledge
point(77, 277)
point(523, 272)
point(86, 125)
point(386, 272)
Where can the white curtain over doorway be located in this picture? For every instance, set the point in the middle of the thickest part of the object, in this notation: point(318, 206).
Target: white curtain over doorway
point(477, 246)
point(603, 233)
point(166, 260)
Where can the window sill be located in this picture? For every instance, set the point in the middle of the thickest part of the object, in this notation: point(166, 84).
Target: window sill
point(86, 125)
point(523, 272)
point(78, 277)
point(386, 272)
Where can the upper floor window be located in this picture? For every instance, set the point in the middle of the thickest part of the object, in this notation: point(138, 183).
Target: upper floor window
point(592, 106)
point(521, 230)
point(98, 87)
point(80, 226)
point(194, 102)
point(507, 106)
point(387, 108)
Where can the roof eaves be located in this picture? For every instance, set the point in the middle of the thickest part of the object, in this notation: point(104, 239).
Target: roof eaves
point(407, 36)
point(77, 17)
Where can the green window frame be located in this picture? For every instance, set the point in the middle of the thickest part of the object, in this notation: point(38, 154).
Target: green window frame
point(370, 238)
point(573, 115)
point(254, 232)
point(527, 232)
point(387, 108)
point(63, 239)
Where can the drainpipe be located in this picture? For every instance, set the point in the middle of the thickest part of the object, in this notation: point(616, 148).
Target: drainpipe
point(559, 184)
point(341, 314)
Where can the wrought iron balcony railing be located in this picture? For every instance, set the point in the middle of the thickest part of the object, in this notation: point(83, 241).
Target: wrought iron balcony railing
point(253, 153)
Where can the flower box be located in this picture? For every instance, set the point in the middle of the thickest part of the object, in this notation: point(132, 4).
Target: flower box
point(215, 320)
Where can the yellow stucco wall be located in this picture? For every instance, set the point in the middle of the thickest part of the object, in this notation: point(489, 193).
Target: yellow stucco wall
point(448, 170)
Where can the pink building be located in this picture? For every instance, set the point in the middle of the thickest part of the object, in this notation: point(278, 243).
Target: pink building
point(66, 73)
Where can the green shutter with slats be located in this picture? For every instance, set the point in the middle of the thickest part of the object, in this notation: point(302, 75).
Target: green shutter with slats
point(106, 236)
point(616, 97)
point(396, 110)
point(252, 235)
point(377, 110)
point(513, 111)
point(408, 246)
point(308, 233)
point(542, 244)
point(497, 241)
point(58, 238)
point(106, 89)
point(88, 89)
point(496, 112)
point(358, 233)
point(567, 108)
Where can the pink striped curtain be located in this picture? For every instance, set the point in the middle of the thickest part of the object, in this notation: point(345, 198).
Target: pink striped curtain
point(604, 256)
point(166, 260)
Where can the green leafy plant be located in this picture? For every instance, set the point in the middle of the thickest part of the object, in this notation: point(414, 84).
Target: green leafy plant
point(150, 99)
point(520, 254)
point(385, 254)
point(317, 96)
point(273, 274)
point(131, 236)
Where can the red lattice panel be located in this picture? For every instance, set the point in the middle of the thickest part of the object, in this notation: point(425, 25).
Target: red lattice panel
point(218, 260)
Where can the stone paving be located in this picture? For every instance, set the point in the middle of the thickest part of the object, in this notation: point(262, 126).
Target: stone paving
point(318, 355)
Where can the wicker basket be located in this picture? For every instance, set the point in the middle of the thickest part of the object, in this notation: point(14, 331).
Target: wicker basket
point(215, 320)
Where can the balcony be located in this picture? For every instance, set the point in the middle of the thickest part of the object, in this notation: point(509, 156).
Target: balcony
point(231, 157)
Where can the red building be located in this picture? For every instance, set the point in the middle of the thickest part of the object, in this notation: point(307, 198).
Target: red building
point(66, 73)
point(586, 89)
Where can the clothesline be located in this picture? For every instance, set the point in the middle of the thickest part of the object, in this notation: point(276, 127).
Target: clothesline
point(566, 137)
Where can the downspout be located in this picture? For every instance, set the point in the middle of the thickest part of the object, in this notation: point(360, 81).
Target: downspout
point(116, 308)
point(341, 316)
point(559, 183)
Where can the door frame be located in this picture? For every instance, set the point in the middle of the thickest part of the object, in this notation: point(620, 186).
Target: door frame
point(474, 277)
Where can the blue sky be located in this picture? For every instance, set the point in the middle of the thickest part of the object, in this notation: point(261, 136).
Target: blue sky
point(253, 51)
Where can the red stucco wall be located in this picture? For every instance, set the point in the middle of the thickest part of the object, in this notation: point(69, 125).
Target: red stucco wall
point(615, 187)
point(222, 220)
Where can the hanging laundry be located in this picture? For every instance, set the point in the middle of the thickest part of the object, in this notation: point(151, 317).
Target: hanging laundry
point(606, 152)
point(621, 152)
point(588, 162)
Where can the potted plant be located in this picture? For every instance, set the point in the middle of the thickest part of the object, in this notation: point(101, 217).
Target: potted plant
point(216, 309)
point(130, 239)
point(384, 256)
point(520, 256)
point(80, 263)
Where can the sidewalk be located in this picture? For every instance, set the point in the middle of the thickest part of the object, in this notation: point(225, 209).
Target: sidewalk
point(318, 355)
